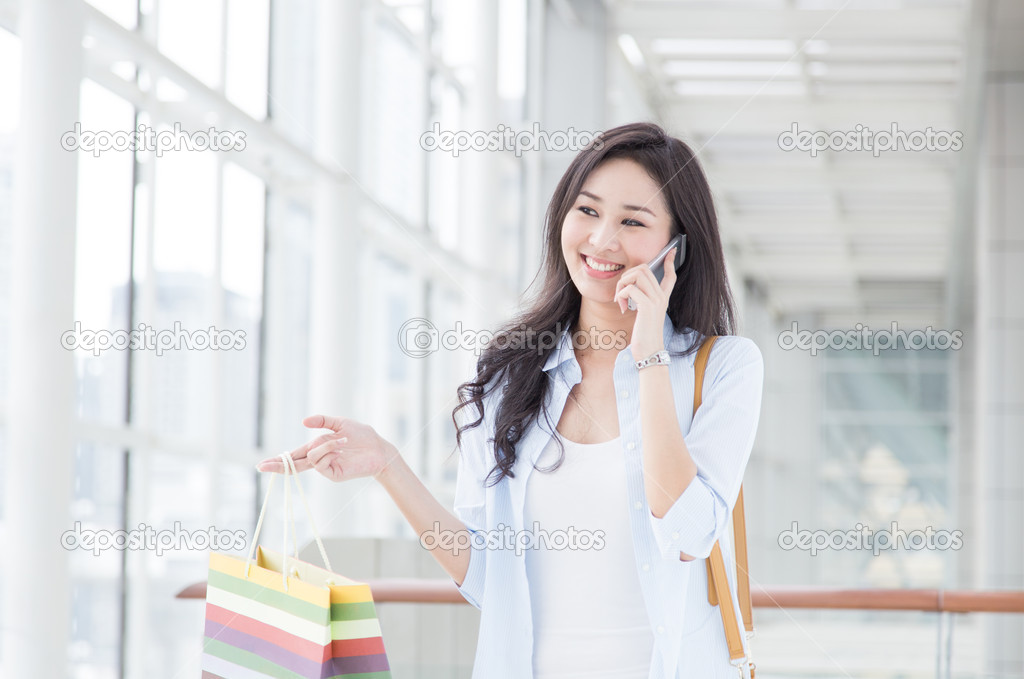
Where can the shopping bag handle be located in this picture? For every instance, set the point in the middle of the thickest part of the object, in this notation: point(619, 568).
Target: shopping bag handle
point(289, 472)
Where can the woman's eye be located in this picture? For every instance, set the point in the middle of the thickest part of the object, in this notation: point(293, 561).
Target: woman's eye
point(593, 213)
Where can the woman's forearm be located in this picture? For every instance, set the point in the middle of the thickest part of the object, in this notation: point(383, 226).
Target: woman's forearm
point(426, 515)
point(668, 467)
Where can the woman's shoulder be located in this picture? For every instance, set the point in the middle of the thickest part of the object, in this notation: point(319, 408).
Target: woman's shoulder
point(727, 349)
point(737, 361)
point(736, 348)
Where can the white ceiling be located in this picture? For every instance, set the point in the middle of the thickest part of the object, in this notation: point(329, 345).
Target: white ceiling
point(846, 236)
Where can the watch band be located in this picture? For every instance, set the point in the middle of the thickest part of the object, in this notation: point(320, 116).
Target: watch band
point(657, 358)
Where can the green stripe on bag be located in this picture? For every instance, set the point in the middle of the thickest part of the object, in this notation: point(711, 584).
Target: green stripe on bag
point(251, 661)
point(247, 659)
point(354, 629)
point(356, 611)
point(279, 600)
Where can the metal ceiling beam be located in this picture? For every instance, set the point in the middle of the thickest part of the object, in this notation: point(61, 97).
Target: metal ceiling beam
point(734, 177)
point(665, 20)
point(775, 115)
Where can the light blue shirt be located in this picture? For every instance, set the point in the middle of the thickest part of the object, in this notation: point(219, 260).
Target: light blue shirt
point(688, 640)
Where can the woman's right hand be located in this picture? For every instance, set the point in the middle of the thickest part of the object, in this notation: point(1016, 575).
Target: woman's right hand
point(352, 450)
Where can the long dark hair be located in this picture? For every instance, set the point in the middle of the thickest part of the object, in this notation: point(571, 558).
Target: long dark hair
point(701, 299)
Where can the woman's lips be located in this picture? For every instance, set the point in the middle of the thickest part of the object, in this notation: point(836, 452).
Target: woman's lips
point(594, 273)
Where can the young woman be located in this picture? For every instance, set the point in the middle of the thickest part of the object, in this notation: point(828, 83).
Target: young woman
point(588, 494)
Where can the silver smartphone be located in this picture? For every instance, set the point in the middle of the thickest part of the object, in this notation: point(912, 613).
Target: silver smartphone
point(657, 265)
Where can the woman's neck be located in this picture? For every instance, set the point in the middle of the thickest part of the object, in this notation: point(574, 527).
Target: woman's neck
point(609, 330)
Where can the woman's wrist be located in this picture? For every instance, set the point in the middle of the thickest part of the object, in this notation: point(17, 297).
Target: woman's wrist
point(647, 352)
point(393, 464)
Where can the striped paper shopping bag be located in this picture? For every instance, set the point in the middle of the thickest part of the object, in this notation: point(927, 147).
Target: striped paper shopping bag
point(279, 617)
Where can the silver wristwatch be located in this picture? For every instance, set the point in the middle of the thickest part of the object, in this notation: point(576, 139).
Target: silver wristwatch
point(659, 358)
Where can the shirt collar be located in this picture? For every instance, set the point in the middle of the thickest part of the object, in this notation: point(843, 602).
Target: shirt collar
point(564, 351)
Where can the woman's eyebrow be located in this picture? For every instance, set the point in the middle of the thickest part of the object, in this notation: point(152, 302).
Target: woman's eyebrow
point(635, 208)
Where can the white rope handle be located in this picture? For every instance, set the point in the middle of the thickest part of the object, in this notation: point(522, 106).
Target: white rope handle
point(259, 526)
point(284, 524)
point(309, 514)
point(286, 458)
point(289, 471)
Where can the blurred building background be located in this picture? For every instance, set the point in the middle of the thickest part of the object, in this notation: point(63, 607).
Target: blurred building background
point(335, 225)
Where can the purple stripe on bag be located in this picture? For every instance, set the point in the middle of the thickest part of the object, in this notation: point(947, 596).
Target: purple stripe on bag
point(361, 663)
point(264, 649)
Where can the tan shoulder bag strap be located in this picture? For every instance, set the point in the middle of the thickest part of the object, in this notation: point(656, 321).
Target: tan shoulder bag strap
point(718, 585)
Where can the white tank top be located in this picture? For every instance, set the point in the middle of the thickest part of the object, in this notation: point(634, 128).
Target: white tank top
point(589, 618)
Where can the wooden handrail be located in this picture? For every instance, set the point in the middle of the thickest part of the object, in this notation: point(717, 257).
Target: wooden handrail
point(437, 591)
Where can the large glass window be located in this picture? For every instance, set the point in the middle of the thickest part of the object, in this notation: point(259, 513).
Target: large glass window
point(10, 87)
point(393, 158)
point(102, 304)
point(191, 33)
point(103, 256)
point(242, 281)
point(245, 56)
point(190, 243)
point(443, 198)
point(97, 590)
point(886, 459)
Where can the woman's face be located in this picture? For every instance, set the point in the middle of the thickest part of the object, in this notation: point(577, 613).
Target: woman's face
point(620, 220)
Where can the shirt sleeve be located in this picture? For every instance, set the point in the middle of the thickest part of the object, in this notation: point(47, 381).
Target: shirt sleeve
point(720, 439)
point(470, 503)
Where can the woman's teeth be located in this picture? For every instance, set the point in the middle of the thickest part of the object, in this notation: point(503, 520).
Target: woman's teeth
point(602, 267)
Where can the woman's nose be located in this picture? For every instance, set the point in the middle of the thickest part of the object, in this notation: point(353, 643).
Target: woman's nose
point(605, 235)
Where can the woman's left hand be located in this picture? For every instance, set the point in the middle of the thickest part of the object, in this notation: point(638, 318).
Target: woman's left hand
point(651, 299)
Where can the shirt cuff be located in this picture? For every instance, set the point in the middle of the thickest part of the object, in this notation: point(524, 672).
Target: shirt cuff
point(686, 526)
point(472, 589)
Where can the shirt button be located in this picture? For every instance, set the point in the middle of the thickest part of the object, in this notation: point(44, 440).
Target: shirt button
point(639, 505)
point(647, 566)
point(624, 393)
point(661, 630)
point(631, 445)
point(675, 536)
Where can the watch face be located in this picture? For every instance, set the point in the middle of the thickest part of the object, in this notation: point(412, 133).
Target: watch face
point(660, 358)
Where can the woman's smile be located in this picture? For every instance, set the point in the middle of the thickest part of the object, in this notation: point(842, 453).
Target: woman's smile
point(600, 268)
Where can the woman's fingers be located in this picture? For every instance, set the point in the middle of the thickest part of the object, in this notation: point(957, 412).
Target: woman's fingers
point(637, 294)
point(668, 281)
point(300, 455)
point(644, 283)
point(324, 466)
point(325, 422)
point(276, 465)
point(303, 451)
point(324, 453)
point(271, 464)
point(317, 454)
